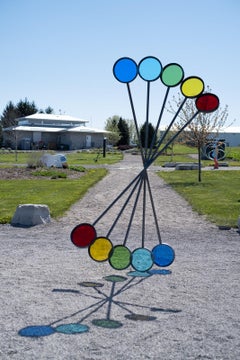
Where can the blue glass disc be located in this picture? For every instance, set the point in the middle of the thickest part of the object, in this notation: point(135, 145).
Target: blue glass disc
point(125, 70)
point(150, 68)
point(141, 259)
point(163, 255)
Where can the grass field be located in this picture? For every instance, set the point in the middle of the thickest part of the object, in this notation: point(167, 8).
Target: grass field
point(73, 158)
point(58, 194)
point(217, 196)
point(181, 153)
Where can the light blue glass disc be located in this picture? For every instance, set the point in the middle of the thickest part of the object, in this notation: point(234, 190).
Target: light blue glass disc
point(163, 255)
point(150, 68)
point(141, 259)
point(125, 70)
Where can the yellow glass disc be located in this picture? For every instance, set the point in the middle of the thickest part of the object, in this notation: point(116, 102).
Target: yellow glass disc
point(192, 87)
point(99, 250)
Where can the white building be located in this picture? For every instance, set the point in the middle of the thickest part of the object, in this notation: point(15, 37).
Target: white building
point(55, 132)
point(231, 135)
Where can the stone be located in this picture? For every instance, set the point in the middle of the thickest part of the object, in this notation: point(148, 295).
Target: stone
point(187, 166)
point(170, 164)
point(28, 215)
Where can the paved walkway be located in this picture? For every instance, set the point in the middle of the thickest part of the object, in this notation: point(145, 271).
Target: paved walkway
point(189, 311)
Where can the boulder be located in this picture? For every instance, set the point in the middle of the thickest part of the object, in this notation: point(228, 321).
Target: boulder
point(27, 215)
point(187, 166)
point(170, 164)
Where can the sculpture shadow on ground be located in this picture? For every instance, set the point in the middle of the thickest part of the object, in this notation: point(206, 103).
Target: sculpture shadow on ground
point(102, 301)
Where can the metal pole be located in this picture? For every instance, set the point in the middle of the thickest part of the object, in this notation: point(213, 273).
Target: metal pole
point(104, 147)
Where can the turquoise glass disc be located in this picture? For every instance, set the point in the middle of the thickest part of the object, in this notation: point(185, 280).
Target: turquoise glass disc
point(142, 259)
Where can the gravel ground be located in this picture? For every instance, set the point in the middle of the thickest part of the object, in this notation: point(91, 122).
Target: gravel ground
point(189, 311)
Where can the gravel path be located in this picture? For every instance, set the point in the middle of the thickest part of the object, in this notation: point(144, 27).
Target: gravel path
point(189, 311)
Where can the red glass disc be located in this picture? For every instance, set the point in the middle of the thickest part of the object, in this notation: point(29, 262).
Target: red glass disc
point(83, 235)
point(207, 103)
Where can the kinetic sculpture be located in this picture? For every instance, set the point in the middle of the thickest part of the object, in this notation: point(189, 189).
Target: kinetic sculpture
point(101, 247)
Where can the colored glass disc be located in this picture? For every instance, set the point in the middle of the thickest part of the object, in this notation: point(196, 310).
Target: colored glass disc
point(149, 68)
point(100, 248)
point(83, 234)
point(163, 255)
point(172, 75)
point(207, 103)
point(120, 257)
point(192, 87)
point(125, 70)
point(141, 259)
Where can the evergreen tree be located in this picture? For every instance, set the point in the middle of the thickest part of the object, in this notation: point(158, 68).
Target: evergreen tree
point(9, 115)
point(150, 134)
point(124, 132)
point(25, 108)
point(12, 112)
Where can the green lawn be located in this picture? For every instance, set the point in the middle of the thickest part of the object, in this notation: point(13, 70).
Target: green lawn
point(181, 153)
point(58, 194)
point(73, 158)
point(217, 196)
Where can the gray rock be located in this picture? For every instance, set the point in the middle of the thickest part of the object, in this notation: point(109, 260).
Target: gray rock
point(27, 215)
point(187, 166)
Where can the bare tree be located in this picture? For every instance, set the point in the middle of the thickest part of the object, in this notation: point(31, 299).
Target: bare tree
point(201, 128)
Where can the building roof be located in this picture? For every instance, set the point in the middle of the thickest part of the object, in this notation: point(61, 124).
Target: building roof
point(52, 117)
point(228, 129)
point(85, 129)
point(77, 129)
point(231, 129)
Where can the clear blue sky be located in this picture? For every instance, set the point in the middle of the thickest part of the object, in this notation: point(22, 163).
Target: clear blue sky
point(61, 52)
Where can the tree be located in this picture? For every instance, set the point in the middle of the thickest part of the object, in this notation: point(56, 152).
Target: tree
point(146, 135)
point(133, 138)
point(123, 131)
point(48, 110)
point(26, 108)
point(111, 125)
point(11, 113)
point(201, 128)
point(8, 120)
